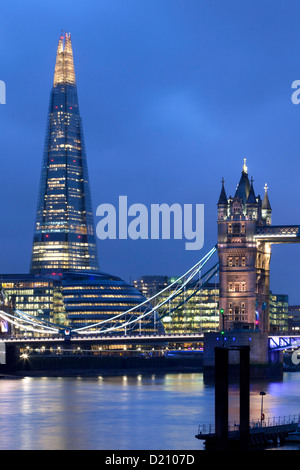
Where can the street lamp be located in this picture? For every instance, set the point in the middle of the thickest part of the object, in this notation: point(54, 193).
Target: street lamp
point(262, 416)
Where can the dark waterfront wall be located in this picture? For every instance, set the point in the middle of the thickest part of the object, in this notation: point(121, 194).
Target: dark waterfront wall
point(75, 363)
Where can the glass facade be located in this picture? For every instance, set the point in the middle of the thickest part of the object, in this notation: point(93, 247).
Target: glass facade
point(97, 297)
point(294, 319)
point(31, 295)
point(195, 313)
point(64, 237)
point(77, 300)
point(199, 312)
point(279, 312)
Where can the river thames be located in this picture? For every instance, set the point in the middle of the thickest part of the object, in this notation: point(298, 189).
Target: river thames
point(129, 412)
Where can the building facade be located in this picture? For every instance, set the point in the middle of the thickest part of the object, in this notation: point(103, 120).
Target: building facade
point(294, 319)
point(64, 236)
point(77, 300)
point(189, 312)
point(279, 313)
point(33, 296)
point(150, 285)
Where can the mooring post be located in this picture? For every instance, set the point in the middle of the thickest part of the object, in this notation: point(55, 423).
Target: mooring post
point(244, 396)
point(221, 398)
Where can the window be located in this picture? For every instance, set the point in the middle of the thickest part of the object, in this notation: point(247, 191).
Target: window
point(236, 313)
point(236, 229)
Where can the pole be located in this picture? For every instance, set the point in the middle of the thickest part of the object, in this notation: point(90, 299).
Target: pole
point(262, 406)
point(244, 396)
point(221, 398)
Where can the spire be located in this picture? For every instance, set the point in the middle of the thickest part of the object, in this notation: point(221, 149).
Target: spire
point(64, 67)
point(251, 197)
point(266, 203)
point(223, 197)
point(242, 191)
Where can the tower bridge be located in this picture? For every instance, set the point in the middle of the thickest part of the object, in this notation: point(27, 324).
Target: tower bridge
point(277, 234)
point(245, 236)
point(64, 252)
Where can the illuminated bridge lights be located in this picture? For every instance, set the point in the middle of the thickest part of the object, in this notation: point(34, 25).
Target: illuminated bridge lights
point(283, 342)
point(277, 231)
point(126, 321)
point(108, 339)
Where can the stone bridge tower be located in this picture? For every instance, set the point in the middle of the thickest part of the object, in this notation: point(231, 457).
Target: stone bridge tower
point(244, 257)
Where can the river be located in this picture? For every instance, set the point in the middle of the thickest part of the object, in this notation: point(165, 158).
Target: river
point(129, 412)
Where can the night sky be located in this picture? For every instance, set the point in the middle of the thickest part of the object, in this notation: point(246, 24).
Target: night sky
point(173, 95)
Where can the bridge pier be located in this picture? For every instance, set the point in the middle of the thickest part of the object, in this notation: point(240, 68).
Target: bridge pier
point(263, 364)
point(221, 396)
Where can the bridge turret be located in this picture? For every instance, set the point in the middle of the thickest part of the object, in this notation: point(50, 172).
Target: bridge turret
point(244, 263)
point(266, 207)
point(223, 203)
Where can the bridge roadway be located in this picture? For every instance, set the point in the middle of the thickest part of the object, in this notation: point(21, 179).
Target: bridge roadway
point(275, 341)
point(278, 234)
point(106, 339)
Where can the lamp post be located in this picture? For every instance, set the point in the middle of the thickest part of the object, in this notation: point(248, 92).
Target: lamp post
point(262, 416)
point(223, 325)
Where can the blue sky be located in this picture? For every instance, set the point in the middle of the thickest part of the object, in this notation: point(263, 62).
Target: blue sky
point(173, 95)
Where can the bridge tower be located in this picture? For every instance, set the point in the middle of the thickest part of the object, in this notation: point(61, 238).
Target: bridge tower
point(244, 274)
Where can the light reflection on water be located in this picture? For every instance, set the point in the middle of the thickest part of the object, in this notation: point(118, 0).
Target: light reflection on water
point(153, 412)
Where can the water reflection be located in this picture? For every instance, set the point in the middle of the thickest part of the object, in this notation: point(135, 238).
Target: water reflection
point(125, 412)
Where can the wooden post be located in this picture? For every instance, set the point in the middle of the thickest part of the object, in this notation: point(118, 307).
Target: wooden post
point(244, 396)
point(221, 398)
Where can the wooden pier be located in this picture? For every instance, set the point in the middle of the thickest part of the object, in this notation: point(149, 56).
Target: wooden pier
point(261, 434)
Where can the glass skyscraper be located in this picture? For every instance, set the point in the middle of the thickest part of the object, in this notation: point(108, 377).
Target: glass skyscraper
point(65, 284)
point(64, 237)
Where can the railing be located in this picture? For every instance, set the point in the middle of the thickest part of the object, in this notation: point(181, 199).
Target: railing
point(269, 230)
point(254, 424)
point(284, 341)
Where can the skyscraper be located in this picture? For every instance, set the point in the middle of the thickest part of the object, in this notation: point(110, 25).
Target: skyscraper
point(64, 237)
point(65, 284)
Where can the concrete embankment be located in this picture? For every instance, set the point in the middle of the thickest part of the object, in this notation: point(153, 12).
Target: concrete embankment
point(91, 365)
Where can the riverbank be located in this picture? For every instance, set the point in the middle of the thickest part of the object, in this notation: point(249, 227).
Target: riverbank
point(67, 366)
point(59, 365)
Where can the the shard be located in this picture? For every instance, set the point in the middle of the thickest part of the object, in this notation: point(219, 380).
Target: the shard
point(64, 236)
